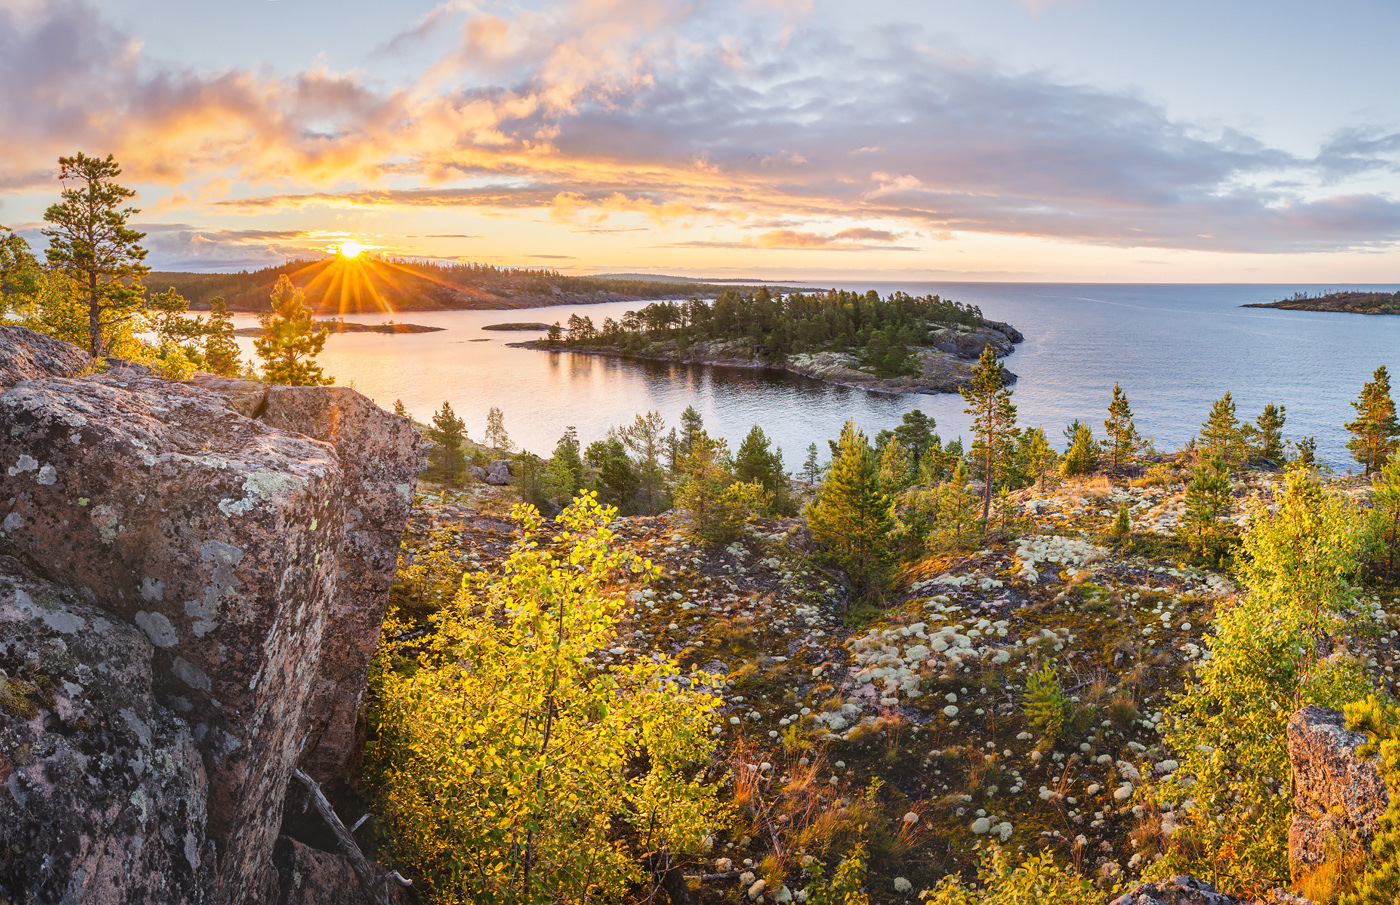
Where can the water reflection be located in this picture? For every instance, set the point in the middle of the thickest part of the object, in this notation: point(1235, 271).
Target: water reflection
point(1174, 348)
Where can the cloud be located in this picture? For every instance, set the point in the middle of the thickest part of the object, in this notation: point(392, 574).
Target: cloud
point(854, 239)
point(619, 114)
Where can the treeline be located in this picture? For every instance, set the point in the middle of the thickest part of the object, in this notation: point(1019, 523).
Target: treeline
point(881, 331)
point(640, 468)
point(373, 283)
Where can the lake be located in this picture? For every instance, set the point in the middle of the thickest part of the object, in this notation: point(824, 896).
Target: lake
point(1174, 348)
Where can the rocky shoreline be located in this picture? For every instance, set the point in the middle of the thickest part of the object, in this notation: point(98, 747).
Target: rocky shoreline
point(945, 363)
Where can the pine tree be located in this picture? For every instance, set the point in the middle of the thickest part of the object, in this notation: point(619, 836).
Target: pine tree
point(1221, 437)
point(851, 518)
point(1270, 426)
point(564, 475)
point(719, 506)
point(994, 430)
point(643, 437)
point(400, 409)
point(896, 469)
point(1208, 500)
point(1122, 526)
point(90, 241)
point(811, 468)
point(1307, 452)
point(1374, 432)
point(692, 425)
point(446, 460)
point(167, 316)
point(1122, 436)
point(757, 461)
point(615, 479)
point(291, 341)
point(1083, 455)
point(1385, 511)
point(954, 511)
point(915, 434)
point(220, 350)
point(496, 436)
point(1037, 455)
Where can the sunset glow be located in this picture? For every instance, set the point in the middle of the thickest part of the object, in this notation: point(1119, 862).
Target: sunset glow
point(350, 249)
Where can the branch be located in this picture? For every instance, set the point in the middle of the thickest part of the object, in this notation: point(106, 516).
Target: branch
point(375, 892)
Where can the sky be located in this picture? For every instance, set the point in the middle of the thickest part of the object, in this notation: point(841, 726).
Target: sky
point(1074, 140)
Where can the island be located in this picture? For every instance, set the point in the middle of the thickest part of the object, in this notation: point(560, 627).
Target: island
point(896, 344)
point(518, 325)
point(1343, 302)
point(339, 326)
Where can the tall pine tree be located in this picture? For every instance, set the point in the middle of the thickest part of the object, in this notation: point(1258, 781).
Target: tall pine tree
point(1123, 439)
point(90, 241)
point(446, 460)
point(994, 429)
point(1374, 432)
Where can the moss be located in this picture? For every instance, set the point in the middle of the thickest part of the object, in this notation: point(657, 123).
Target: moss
point(19, 698)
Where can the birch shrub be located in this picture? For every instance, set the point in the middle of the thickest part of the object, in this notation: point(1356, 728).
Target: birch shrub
point(511, 764)
point(1281, 645)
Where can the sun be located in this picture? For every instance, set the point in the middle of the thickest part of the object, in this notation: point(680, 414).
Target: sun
point(350, 249)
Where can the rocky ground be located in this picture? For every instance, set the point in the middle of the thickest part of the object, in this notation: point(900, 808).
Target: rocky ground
point(921, 701)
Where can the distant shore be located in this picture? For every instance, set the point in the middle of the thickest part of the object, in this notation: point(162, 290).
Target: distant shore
point(1339, 302)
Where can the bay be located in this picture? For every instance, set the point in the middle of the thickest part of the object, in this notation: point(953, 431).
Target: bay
point(1173, 347)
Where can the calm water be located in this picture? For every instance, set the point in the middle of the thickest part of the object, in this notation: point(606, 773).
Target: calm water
point(1174, 348)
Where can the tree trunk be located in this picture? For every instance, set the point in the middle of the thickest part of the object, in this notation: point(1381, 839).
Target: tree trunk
point(95, 349)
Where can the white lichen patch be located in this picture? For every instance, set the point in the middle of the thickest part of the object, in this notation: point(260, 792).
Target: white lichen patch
point(25, 463)
point(1075, 555)
point(261, 485)
point(158, 628)
point(108, 522)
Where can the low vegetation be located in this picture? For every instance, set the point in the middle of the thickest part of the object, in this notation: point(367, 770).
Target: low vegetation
point(1086, 689)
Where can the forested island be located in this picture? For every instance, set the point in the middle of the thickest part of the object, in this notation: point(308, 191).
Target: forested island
point(368, 284)
point(1344, 302)
point(896, 344)
point(340, 326)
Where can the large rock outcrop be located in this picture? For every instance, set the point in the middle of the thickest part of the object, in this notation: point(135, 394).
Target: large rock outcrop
point(249, 534)
point(25, 355)
point(378, 480)
point(1338, 797)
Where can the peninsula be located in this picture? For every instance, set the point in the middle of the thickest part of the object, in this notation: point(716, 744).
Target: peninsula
point(897, 344)
point(1344, 302)
point(367, 284)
